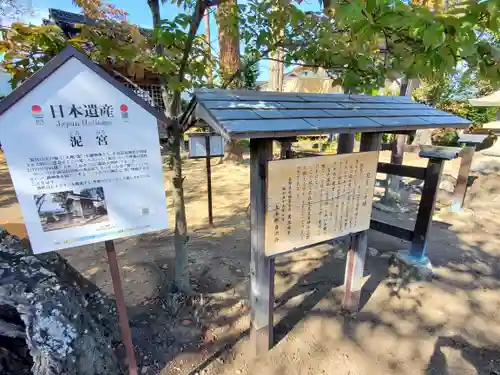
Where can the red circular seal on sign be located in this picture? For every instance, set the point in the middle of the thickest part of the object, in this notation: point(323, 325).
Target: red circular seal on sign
point(123, 108)
point(36, 108)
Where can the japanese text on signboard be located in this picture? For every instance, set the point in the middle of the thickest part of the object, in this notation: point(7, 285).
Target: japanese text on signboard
point(310, 200)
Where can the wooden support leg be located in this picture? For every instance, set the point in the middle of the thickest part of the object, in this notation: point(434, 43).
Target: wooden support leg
point(209, 180)
point(355, 265)
point(346, 143)
point(358, 243)
point(392, 194)
point(457, 202)
point(120, 306)
point(286, 150)
point(261, 266)
point(418, 250)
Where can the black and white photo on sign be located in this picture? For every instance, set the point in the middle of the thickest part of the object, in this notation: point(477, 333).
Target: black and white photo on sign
point(71, 208)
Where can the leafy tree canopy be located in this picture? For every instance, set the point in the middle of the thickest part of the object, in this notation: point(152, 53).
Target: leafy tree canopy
point(363, 42)
point(359, 43)
point(110, 41)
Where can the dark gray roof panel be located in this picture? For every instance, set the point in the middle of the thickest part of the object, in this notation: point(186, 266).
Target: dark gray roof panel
point(235, 114)
point(413, 112)
point(230, 104)
point(311, 105)
point(356, 105)
point(296, 113)
point(274, 125)
point(324, 97)
point(400, 121)
point(355, 112)
point(472, 138)
point(251, 114)
point(339, 123)
point(410, 106)
point(451, 121)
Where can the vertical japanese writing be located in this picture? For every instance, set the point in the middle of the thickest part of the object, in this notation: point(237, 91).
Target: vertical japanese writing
point(319, 199)
point(309, 201)
point(324, 185)
point(345, 199)
point(357, 181)
point(289, 206)
point(276, 224)
point(335, 196)
point(317, 183)
point(341, 196)
point(352, 191)
point(283, 214)
point(303, 223)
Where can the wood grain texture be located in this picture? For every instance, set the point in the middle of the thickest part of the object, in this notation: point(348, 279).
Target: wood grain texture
point(310, 200)
point(261, 266)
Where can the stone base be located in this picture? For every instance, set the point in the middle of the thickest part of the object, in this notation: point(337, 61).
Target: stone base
point(493, 150)
point(422, 266)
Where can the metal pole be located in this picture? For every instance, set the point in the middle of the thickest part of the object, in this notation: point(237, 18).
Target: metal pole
point(209, 180)
point(120, 305)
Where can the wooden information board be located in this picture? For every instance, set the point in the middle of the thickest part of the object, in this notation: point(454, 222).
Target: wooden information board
point(315, 199)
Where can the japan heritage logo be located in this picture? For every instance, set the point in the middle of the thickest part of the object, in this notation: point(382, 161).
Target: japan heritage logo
point(124, 111)
point(36, 112)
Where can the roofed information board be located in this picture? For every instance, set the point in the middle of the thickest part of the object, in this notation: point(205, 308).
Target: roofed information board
point(310, 200)
point(84, 157)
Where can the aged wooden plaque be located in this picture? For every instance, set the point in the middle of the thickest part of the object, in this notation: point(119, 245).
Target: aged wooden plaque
point(315, 199)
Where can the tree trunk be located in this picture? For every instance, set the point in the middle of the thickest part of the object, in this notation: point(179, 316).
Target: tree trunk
point(275, 82)
point(180, 237)
point(234, 152)
point(172, 105)
point(229, 39)
point(229, 47)
point(206, 19)
point(52, 320)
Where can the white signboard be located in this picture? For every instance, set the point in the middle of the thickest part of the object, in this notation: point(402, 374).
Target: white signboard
point(85, 161)
point(197, 144)
point(310, 200)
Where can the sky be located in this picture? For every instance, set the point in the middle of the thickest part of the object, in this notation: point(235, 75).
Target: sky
point(139, 14)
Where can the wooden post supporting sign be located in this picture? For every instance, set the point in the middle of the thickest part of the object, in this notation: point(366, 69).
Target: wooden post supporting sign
point(261, 266)
point(355, 262)
point(467, 154)
point(418, 250)
point(345, 144)
point(209, 180)
point(121, 307)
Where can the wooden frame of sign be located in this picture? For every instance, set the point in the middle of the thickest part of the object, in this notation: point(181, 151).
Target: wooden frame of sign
point(275, 187)
point(199, 148)
point(206, 142)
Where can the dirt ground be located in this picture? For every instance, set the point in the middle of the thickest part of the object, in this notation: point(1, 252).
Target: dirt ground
point(449, 325)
